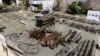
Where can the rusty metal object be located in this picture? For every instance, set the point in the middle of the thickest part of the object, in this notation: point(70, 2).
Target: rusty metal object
point(83, 48)
point(87, 50)
point(86, 28)
point(77, 38)
point(51, 40)
point(46, 20)
point(65, 38)
point(37, 33)
point(82, 20)
point(92, 50)
point(72, 36)
point(63, 51)
point(75, 51)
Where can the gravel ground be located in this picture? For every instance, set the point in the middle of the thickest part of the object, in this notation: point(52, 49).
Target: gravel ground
point(28, 44)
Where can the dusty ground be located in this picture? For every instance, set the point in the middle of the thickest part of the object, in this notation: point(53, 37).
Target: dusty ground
point(12, 23)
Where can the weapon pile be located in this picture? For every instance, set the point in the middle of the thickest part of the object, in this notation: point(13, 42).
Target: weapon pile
point(81, 26)
point(82, 20)
point(53, 39)
point(71, 37)
point(85, 28)
point(45, 21)
point(37, 33)
point(85, 48)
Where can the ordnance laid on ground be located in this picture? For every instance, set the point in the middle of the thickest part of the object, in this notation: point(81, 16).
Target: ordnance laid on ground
point(64, 38)
point(87, 50)
point(51, 39)
point(54, 38)
point(79, 48)
point(75, 51)
point(63, 51)
point(83, 49)
point(98, 30)
point(37, 33)
point(92, 50)
point(66, 51)
point(55, 43)
point(82, 20)
point(77, 38)
point(72, 36)
point(86, 28)
point(45, 20)
point(61, 40)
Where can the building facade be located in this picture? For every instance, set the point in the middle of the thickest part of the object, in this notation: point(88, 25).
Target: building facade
point(40, 4)
point(10, 2)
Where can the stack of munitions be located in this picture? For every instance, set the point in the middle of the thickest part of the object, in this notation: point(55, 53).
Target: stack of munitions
point(82, 20)
point(85, 48)
point(83, 24)
point(73, 36)
point(86, 28)
point(45, 21)
point(51, 40)
point(37, 33)
point(80, 26)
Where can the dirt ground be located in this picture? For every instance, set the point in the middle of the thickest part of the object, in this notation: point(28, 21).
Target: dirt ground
point(12, 23)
